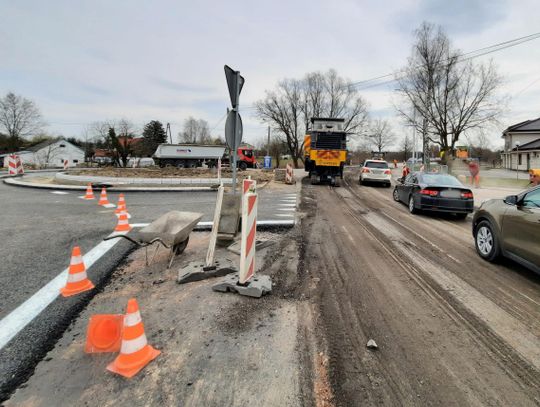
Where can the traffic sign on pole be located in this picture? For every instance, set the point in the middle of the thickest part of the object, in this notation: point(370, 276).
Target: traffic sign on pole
point(233, 130)
point(235, 82)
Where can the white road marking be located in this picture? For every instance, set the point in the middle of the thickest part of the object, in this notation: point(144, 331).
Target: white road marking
point(286, 209)
point(287, 204)
point(82, 197)
point(285, 215)
point(21, 316)
point(109, 205)
point(60, 192)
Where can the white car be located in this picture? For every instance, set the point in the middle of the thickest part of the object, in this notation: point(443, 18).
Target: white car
point(376, 171)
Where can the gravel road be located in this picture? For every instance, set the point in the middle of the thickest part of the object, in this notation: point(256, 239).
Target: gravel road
point(451, 328)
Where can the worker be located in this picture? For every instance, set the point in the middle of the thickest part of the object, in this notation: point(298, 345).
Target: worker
point(474, 170)
point(395, 163)
point(534, 176)
point(406, 170)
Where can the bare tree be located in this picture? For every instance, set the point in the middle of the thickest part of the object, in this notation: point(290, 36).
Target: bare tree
point(444, 94)
point(289, 108)
point(380, 135)
point(19, 117)
point(195, 131)
point(406, 147)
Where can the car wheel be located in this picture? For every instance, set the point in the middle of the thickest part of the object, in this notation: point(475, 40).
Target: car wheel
point(395, 195)
point(412, 208)
point(388, 185)
point(360, 181)
point(486, 242)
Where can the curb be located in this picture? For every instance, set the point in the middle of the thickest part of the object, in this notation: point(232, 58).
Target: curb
point(127, 181)
point(118, 189)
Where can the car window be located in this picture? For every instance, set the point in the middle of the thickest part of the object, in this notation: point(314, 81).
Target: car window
point(441, 179)
point(376, 164)
point(532, 199)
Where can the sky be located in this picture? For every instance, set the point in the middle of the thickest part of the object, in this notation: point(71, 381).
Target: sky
point(86, 61)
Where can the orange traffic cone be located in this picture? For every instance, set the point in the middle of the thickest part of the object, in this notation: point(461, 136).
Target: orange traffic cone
point(121, 204)
point(77, 281)
point(89, 192)
point(123, 223)
point(135, 353)
point(103, 197)
point(104, 333)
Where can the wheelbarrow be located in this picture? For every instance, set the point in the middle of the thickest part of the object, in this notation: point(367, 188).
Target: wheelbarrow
point(170, 230)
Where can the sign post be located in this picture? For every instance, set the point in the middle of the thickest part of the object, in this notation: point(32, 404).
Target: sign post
point(233, 125)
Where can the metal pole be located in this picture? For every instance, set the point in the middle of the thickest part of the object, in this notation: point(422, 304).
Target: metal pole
point(517, 162)
point(235, 108)
point(268, 142)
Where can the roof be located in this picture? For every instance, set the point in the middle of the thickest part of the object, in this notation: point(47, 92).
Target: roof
point(531, 145)
point(527, 125)
point(49, 142)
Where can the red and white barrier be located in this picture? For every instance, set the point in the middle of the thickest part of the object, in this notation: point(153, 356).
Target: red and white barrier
point(15, 166)
point(289, 176)
point(66, 165)
point(249, 229)
point(247, 185)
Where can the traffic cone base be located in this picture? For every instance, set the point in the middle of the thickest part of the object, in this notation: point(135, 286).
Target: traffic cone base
point(76, 288)
point(104, 333)
point(130, 367)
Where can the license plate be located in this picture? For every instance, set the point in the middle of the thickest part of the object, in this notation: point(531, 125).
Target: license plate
point(451, 193)
point(377, 171)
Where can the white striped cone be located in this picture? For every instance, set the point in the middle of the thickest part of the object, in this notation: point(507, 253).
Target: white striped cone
point(77, 280)
point(249, 229)
point(135, 352)
point(20, 168)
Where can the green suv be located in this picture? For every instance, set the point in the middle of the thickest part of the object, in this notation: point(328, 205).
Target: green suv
point(510, 227)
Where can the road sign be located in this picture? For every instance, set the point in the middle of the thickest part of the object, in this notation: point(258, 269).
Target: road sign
point(233, 138)
point(235, 82)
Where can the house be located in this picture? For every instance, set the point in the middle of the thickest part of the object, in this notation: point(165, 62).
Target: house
point(52, 153)
point(522, 145)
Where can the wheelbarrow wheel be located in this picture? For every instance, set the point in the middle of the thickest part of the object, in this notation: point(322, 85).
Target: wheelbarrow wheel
point(180, 247)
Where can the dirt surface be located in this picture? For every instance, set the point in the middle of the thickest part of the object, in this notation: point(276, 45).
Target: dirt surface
point(451, 329)
point(217, 349)
point(173, 172)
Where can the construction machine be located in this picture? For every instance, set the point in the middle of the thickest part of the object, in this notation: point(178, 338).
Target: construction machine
point(325, 150)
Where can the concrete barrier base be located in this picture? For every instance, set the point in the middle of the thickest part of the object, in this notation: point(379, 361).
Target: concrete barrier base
point(258, 286)
point(196, 270)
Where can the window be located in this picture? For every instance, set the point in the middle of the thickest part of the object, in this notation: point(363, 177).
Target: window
point(62, 146)
point(532, 199)
point(519, 159)
point(75, 161)
point(376, 164)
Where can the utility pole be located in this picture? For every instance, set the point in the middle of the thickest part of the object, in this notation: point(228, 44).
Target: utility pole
point(168, 131)
point(268, 142)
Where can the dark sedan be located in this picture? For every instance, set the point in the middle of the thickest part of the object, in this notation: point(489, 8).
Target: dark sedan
point(434, 192)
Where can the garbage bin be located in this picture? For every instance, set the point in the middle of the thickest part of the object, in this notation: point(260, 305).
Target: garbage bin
point(267, 162)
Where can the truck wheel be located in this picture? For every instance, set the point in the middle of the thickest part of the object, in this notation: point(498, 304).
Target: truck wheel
point(242, 165)
point(181, 164)
point(314, 180)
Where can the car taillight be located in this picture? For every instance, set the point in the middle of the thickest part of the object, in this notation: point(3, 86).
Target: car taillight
point(466, 195)
point(387, 172)
point(430, 192)
point(365, 169)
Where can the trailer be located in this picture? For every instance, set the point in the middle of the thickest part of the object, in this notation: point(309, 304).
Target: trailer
point(188, 155)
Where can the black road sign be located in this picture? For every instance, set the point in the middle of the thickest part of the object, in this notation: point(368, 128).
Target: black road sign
point(233, 140)
point(234, 81)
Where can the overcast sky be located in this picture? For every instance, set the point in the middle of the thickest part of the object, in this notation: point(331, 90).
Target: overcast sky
point(84, 61)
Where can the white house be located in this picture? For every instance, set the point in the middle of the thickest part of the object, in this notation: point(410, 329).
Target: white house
point(522, 145)
point(52, 153)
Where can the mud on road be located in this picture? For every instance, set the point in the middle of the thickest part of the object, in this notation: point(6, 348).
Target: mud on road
point(451, 328)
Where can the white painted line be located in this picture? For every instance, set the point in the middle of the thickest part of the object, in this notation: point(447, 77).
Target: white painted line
point(109, 205)
point(286, 209)
point(139, 225)
point(288, 204)
point(285, 215)
point(208, 225)
point(21, 316)
point(287, 200)
point(82, 197)
point(59, 192)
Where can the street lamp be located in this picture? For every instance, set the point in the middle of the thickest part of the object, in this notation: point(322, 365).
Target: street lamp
point(517, 160)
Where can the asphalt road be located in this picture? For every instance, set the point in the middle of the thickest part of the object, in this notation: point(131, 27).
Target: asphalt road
point(40, 227)
point(451, 329)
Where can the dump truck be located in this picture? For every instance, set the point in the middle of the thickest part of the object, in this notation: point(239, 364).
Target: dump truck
point(325, 150)
point(195, 155)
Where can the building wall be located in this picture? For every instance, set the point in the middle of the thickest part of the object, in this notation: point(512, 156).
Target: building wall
point(54, 155)
point(511, 160)
point(511, 139)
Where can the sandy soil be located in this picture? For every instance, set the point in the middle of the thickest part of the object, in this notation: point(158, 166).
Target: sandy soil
point(173, 172)
point(451, 328)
